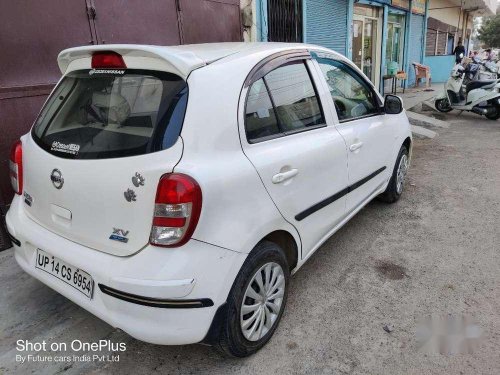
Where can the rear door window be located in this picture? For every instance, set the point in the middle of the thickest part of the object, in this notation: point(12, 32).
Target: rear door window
point(127, 113)
point(282, 102)
point(261, 121)
point(294, 97)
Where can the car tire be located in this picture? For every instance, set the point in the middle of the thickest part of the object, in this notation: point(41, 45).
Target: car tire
point(395, 186)
point(233, 339)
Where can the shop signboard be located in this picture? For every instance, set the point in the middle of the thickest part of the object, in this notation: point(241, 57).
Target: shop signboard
point(418, 6)
point(404, 4)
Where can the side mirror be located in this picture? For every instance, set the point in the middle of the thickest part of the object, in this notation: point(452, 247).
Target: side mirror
point(393, 105)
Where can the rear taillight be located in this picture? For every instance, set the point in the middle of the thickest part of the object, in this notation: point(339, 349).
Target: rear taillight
point(177, 210)
point(107, 59)
point(16, 167)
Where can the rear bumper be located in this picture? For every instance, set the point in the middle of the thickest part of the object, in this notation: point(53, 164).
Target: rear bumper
point(194, 272)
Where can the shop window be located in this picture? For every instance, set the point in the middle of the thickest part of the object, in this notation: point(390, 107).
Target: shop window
point(442, 39)
point(366, 41)
point(430, 42)
point(438, 43)
point(395, 40)
point(451, 44)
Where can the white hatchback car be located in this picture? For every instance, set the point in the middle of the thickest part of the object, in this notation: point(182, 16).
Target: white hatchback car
point(171, 191)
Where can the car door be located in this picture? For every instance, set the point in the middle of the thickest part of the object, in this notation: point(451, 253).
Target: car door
point(298, 153)
point(368, 133)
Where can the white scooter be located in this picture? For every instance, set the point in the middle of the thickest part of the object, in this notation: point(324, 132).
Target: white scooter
point(481, 97)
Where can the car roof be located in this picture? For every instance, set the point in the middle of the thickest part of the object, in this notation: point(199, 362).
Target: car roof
point(185, 58)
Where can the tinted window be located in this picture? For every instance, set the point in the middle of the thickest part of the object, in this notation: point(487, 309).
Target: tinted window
point(260, 121)
point(352, 95)
point(294, 97)
point(282, 102)
point(96, 116)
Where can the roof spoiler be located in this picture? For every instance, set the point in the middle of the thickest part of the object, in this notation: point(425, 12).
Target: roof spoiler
point(178, 62)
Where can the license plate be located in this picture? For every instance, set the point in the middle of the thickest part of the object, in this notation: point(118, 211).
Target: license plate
point(77, 278)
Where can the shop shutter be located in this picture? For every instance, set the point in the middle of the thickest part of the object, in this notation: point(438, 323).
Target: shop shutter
point(326, 23)
point(416, 45)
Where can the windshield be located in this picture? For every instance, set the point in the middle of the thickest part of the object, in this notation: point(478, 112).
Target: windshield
point(91, 115)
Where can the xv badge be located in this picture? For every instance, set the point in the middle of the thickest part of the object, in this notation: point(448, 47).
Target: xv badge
point(119, 235)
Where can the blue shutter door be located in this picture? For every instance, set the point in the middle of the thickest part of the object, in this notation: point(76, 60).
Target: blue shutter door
point(326, 23)
point(416, 45)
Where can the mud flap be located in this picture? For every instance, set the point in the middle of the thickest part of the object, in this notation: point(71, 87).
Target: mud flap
point(5, 242)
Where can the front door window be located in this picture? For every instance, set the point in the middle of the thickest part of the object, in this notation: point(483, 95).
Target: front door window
point(352, 96)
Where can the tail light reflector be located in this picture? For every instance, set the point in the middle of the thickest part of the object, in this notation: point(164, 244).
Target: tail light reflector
point(177, 210)
point(16, 167)
point(107, 59)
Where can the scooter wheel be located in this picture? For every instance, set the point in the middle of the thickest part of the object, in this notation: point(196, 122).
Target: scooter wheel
point(443, 105)
point(494, 116)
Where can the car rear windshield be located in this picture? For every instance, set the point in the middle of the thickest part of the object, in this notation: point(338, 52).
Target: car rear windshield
point(103, 114)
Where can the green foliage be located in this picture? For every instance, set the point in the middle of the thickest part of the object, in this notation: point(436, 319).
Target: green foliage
point(489, 33)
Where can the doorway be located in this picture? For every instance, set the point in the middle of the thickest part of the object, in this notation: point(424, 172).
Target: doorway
point(366, 41)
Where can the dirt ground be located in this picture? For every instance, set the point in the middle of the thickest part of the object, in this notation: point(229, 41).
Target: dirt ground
point(436, 252)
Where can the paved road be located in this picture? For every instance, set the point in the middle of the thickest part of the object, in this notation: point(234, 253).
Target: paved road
point(435, 252)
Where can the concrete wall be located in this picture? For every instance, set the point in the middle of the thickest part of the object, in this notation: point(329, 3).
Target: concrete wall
point(440, 67)
point(448, 15)
point(249, 20)
point(451, 15)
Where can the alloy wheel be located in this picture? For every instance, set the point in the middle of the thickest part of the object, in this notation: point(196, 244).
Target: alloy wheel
point(262, 301)
point(401, 173)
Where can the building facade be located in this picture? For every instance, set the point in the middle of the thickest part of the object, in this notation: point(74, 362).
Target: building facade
point(451, 21)
point(377, 35)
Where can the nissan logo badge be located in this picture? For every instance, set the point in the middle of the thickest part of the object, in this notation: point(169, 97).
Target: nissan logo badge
point(57, 179)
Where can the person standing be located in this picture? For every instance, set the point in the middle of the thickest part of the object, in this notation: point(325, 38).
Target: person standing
point(488, 56)
point(459, 52)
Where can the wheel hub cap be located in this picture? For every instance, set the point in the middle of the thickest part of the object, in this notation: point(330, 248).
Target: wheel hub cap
point(262, 301)
point(401, 173)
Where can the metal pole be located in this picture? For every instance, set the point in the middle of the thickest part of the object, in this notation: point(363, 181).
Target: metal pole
point(426, 15)
point(407, 45)
point(350, 28)
point(383, 57)
point(459, 16)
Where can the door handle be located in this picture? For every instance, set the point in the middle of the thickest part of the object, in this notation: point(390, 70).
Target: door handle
point(283, 176)
point(355, 146)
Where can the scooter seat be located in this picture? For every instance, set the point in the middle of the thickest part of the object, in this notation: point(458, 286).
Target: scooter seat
point(479, 84)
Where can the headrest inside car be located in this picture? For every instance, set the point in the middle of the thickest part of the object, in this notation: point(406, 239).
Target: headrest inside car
point(115, 105)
